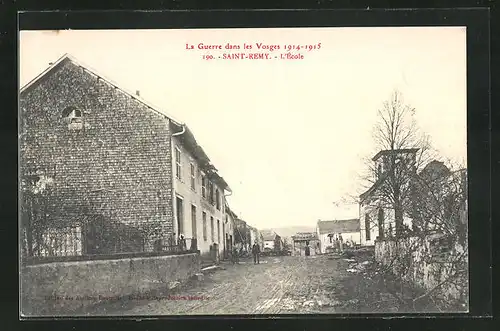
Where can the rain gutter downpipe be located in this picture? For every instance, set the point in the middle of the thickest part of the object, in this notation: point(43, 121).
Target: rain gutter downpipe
point(179, 133)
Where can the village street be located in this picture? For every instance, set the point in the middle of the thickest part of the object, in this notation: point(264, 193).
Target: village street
point(279, 285)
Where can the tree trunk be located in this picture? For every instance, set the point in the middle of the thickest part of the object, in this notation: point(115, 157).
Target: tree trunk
point(398, 215)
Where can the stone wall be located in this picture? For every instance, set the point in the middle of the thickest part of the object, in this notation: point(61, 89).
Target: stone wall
point(418, 261)
point(62, 287)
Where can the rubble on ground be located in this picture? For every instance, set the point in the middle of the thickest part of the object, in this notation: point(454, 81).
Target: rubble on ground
point(173, 285)
point(355, 266)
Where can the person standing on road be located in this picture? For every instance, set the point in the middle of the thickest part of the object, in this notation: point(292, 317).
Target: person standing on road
point(341, 242)
point(256, 252)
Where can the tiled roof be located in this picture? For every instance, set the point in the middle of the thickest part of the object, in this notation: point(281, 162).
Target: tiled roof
point(394, 151)
point(268, 235)
point(338, 226)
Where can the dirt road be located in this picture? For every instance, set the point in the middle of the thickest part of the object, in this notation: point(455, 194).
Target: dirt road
point(277, 285)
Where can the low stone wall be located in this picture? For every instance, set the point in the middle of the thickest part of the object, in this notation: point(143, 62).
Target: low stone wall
point(415, 261)
point(68, 286)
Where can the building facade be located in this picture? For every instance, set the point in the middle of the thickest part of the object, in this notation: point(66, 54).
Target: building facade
point(327, 231)
point(199, 206)
point(377, 215)
point(112, 168)
point(271, 241)
point(230, 229)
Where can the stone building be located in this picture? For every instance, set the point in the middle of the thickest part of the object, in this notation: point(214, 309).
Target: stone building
point(116, 174)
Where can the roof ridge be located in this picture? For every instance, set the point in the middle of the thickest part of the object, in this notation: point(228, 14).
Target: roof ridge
point(92, 71)
point(104, 78)
point(44, 72)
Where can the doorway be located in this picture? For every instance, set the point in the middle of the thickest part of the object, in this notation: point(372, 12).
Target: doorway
point(179, 204)
point(193, 221)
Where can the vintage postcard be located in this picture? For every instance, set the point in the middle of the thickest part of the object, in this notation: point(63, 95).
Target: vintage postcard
point(243, 171)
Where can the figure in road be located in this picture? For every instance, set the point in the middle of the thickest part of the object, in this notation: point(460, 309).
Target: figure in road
point(256, 253)
point(234, 256)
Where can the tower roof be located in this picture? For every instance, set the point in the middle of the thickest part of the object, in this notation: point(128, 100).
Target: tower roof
point(394, 151)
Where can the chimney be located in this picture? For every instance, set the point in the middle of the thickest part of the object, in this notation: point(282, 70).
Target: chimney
point(138, 93)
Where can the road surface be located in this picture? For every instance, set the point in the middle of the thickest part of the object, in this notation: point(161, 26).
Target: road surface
point(278, 285)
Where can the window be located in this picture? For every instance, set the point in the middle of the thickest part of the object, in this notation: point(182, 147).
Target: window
point(204, 187)
point(193, 177)
point(178, 167)
point(211, 192)
point(381, 223)
point(204, 216)
point(72, 113)
point(218, 231)
point(217, 198)
point(212, 230)
point(367, 227)
point(73, 117)
point(193, 221)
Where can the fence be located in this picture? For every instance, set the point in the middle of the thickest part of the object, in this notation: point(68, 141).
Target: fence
point(95, 239)
point(55, 242)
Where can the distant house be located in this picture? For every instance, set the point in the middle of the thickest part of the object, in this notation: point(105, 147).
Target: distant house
point(327, 230)
point(305, 239)
point(228, 230)
point(272, 241)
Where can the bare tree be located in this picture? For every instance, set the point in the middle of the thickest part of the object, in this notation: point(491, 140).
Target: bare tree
point(404, 150)
point(406, 178)
point(441, 201)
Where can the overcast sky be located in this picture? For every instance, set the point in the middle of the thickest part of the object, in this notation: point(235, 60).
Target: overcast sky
point(287, 135)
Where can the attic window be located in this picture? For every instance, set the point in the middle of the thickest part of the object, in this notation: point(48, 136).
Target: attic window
point(73, 117)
